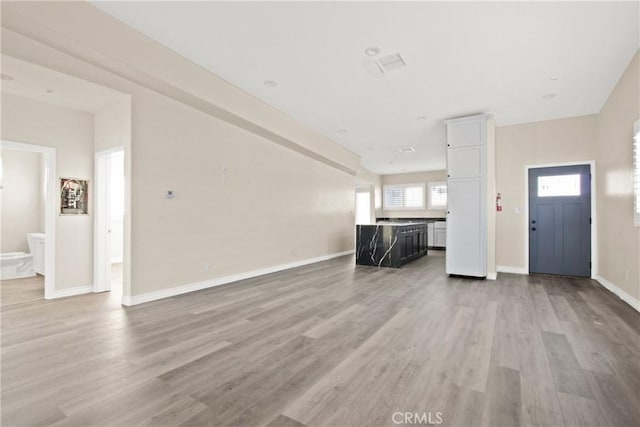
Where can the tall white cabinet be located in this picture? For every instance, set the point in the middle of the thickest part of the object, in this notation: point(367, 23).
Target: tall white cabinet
point(468, 216)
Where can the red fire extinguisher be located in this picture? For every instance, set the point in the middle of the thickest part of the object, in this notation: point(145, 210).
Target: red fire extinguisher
point(499, 202)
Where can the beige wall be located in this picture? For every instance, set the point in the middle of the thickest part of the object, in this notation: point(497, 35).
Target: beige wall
point(415, 178)
point(539, 143)
point(71, 133)
point(243, 202)
point(112, 127)
point(22, 193)
point(618, 239)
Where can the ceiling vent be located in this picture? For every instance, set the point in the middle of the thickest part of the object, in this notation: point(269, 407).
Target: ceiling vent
point(408, 149)
point(391, 62)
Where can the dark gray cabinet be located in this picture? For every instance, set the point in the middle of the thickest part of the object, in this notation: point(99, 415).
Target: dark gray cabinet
point(390, 245)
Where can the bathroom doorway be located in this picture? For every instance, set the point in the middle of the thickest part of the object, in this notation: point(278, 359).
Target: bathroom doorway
point(109, 225)
point(28, 204)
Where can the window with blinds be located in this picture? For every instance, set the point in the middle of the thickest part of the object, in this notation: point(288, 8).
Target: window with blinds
point(437, 195)
point(636, 173)
point(403, 197)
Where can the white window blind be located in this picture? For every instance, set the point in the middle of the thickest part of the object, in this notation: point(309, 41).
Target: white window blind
point(403, 197)
point(636, 173)
point(437, 195)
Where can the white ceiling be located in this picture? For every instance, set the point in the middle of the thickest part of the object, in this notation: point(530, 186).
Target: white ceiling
point(461, 58)
point(49, 86)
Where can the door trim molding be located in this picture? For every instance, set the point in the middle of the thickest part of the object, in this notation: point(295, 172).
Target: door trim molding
point(594, 218)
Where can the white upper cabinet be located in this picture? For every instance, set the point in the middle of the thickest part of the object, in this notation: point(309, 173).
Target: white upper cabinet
point(464, 133)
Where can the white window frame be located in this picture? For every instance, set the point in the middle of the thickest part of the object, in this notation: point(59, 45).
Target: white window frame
point(636, 174)
point(431, 205)
point(403, 208)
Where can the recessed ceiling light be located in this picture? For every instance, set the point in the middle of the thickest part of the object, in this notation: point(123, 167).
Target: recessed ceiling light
point(4, 76)
point(409, 149)
point(421, 118)
point(372, 51)
point(49, 90)
point(270, 83)
point(549, 96)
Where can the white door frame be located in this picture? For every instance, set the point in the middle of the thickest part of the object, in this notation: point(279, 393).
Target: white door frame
point(50, 208)
point(102, 221)
point(594, 219)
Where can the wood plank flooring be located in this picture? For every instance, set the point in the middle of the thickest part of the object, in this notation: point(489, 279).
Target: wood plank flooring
point(18, 291)
point(329, 344)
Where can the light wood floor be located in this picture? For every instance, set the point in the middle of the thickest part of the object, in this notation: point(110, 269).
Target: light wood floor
point(329, 344)
point(18, 291)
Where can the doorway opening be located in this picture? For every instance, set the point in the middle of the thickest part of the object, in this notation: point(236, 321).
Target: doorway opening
point(109, 222)
point(560, 220)
point(363, 206)
point(34, 259)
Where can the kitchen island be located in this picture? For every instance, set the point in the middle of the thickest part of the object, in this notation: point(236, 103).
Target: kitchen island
point(390, 244)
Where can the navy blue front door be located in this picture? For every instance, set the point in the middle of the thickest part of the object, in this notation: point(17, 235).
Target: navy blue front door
point(560, 220)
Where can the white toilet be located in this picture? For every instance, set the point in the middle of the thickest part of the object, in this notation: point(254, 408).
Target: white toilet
point(36, 247)
point(18, 265)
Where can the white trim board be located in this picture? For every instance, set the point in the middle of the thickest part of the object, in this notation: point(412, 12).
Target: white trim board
point(623, 295)
point(79, 290)
point(510, 269)
point(191, 287)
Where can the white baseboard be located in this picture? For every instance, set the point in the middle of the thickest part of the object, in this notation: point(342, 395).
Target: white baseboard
point(62, 293)
point(178, 290)
point(492, 276)
point(512, 270)
point(624, 296)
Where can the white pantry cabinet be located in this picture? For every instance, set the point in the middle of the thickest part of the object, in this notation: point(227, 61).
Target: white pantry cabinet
point(467, 196)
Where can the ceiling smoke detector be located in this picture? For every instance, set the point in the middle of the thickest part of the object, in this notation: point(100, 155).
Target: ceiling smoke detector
point(391, 62)
point(409, 149)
